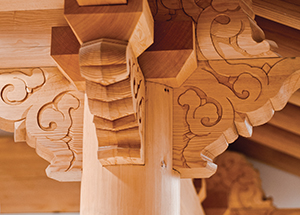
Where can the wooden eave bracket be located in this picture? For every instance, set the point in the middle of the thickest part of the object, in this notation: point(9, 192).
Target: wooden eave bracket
point(227, 81)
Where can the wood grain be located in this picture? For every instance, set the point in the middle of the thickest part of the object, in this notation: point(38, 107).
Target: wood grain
point(16, 5)
point(24, 186)
point(172, 57)
point(131, 22)
point(100, 2)
point(116, 94)
point(65, 51)
point(245, 93)
point(25, 37)
point(44, 109)
point(150, 189)
point(283, 12)
point(189, 201)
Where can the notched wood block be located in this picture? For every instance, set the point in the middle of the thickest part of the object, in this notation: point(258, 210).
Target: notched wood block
point(64, 50)
point(172, 57)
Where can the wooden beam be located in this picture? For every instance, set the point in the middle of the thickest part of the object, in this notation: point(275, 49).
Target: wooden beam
point(172, 57)
point(277, 139)
point(189, 200)
point(287, 119)
point(17, 5)
point(284, 12)
point(100, 2)
point(285, 37)
point(24, 186)
point(25, 37)
point(267, 155)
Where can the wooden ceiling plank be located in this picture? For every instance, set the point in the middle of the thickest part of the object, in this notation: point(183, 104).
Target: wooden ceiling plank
point(295, 98)
point(100, 2)
point(266, 155)
point(286, 38)
point(16, 5)
point(283, 12)
point(277, 139)
point(287, 119)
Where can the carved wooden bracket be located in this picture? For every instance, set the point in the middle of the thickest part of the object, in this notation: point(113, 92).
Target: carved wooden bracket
point(115, 88)
point(45, 110)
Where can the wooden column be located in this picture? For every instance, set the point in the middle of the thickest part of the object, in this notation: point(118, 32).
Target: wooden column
point(153, 188)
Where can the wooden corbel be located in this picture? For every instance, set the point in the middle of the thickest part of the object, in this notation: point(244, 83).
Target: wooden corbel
point(44, 109)
point(238, 82)
point(105, 42)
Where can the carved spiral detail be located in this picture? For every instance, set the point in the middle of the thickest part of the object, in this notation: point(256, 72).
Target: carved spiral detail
point(17, 86)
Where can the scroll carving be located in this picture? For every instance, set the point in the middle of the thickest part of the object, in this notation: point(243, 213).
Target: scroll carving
point(224, 99)
point(224, 30)
point(115, 88)
point(45, 110)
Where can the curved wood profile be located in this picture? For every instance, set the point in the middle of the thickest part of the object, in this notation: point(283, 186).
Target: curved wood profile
point(115, 88)
point(239, 81)
point(45, 110)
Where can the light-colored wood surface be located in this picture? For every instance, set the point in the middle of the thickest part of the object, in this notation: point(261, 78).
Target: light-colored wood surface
point(25, 37)
point(284, 12)
point(45, 110)
point(245, 93)
point(287, 119)
point(287, 42)
point(172, 57)
point(278, 139)
point(100, 2)
point(24, 186)
point(115, 89)
point(150, 189)
point(131, 22)
point(223, 29)
point(64, 50)
point(189, 200)
point(16, 5)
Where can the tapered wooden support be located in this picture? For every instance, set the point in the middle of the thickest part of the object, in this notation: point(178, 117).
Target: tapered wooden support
point(115, 89)
point(150, 189)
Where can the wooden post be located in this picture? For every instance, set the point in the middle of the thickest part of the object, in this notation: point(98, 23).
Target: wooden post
point(153, 188)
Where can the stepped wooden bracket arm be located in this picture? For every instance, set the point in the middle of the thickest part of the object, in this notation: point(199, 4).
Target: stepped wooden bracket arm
point(115, 87)
point(238, 82)
point(45, 110)
point(115, 84)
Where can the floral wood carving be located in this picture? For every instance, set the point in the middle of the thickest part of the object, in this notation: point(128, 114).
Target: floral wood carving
point(115, 89)
point(45, 110)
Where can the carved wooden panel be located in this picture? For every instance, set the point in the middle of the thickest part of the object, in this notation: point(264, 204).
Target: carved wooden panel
point(115, 89)
point(224, 29)
point(224, 99)
point(46, 111)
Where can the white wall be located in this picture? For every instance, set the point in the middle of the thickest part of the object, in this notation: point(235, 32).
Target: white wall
point(282, 186)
